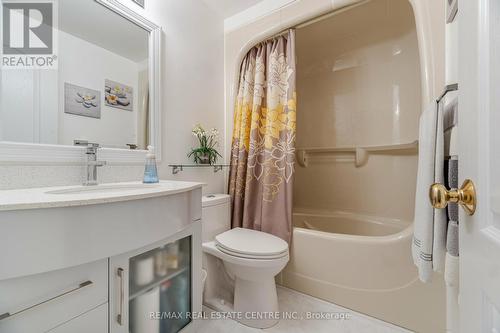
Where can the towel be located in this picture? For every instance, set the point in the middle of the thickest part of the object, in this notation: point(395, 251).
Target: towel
point(452, 233)
point(429, 238)
point(440, 218)
point(451, 168)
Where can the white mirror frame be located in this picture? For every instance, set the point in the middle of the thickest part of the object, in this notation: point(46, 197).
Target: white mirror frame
point(48, 154)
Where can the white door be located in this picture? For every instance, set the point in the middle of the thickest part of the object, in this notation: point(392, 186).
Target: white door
point(479, 139)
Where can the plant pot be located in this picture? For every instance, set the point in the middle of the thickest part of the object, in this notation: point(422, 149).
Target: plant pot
point(204, 159)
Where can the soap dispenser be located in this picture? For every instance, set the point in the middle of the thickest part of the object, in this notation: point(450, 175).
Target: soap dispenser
point(150, 170)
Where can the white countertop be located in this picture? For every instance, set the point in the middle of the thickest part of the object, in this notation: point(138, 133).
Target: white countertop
point(68, 196)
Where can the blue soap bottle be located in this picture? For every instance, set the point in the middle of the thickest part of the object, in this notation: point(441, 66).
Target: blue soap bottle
point(150, 170)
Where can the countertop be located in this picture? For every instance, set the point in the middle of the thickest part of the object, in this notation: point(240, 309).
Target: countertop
point(68, 196)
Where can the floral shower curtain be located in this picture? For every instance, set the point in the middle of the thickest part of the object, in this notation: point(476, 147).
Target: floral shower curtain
point(263, 147)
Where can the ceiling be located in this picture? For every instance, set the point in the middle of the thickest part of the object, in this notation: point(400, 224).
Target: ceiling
point(91, 21)
point(227, 8)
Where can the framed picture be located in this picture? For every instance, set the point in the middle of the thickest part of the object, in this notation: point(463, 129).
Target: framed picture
point(82, 101)
point(118, 95)
point(139, 2)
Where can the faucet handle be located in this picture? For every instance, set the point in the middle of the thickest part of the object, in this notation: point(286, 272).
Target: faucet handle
point(85, 143)
point(91, 146)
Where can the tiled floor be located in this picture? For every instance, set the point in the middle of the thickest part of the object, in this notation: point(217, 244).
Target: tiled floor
point(294, 302)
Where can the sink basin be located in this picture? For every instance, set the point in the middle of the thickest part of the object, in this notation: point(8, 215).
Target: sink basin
point(114, 188)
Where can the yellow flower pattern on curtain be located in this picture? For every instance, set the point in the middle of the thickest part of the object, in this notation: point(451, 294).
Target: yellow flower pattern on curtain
point(263, 147)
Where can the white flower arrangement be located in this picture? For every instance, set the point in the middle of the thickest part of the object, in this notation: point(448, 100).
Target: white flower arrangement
point(206, 152)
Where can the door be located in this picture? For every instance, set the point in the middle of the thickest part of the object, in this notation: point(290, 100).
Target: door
point(479, 142)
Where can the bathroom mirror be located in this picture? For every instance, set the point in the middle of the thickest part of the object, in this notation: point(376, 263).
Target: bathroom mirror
point(104, 89)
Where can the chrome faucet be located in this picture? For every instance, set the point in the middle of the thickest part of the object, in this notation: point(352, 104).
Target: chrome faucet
point(92, 162)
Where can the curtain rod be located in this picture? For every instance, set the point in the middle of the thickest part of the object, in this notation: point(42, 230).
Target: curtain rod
point(330, 14)
point(316, 19)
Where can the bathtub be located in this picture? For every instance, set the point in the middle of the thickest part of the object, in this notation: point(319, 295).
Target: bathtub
point(363, 263)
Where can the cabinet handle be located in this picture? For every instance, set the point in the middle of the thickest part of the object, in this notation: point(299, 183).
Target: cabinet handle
point(67, 292)
point(119, 317)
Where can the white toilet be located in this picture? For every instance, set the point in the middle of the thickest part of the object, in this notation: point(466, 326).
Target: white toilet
point(251, 260)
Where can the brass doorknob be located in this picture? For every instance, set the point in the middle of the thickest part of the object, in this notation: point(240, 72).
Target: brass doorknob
point(465, 196)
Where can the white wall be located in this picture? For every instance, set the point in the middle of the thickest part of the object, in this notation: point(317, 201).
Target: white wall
point(192, 69)
point(87, 65)
point(193, 81)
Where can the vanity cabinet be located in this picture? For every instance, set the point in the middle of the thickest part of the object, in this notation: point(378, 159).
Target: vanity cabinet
point(156, 289)
point(125, 260)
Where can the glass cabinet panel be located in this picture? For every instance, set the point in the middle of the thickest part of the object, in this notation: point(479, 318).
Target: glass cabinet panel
point(160, 289)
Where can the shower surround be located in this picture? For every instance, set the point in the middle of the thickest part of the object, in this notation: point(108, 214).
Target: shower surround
point(363, 75)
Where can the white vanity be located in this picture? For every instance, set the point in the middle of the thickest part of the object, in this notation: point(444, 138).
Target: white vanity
point(87, 259)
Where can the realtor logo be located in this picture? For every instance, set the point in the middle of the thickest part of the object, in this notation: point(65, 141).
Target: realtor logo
point(28, 30)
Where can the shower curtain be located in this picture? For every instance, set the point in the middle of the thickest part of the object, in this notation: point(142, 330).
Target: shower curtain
point(263, 146)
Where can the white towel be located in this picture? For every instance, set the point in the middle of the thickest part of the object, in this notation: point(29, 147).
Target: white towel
point(429, 239)
point(440, 218)
point(452, 277)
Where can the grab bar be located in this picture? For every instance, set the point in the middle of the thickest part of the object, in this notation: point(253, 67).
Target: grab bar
point(72, 290)
point(361, 154)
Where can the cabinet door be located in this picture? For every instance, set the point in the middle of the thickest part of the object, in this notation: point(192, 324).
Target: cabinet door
point(152, 288)
point(40, 302)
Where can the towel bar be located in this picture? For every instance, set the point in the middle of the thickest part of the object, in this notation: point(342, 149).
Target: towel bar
point(448, 88)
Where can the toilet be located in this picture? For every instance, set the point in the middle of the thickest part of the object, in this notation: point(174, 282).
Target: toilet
point(250, 261)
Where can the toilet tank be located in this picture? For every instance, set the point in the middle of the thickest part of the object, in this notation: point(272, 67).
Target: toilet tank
point(215, 215)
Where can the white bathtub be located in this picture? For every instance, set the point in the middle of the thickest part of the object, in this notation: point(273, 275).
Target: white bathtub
point(363, 263)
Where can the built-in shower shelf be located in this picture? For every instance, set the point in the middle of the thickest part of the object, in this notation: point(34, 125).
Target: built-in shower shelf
point(359, 155)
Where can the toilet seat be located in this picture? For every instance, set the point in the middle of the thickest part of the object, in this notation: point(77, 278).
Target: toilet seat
point(213, 249)
point(249, 256)
point(251, 244)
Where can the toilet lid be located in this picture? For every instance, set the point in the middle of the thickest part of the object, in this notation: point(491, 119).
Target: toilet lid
point(251, 243)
